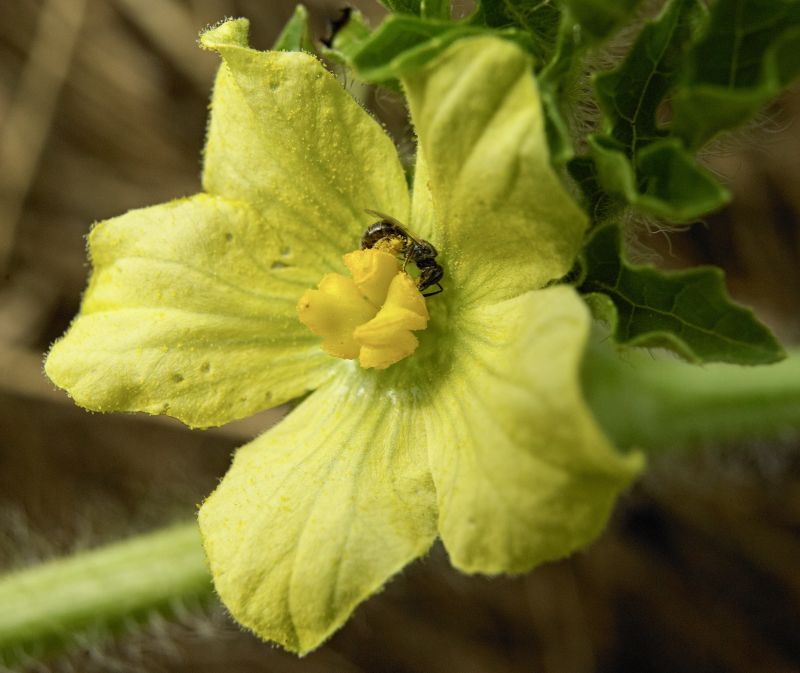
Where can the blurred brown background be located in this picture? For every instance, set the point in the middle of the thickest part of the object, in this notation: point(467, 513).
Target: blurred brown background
point(103, 109)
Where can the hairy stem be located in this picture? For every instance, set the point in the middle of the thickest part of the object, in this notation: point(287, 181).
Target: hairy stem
point(658, 403)
point(44, 607)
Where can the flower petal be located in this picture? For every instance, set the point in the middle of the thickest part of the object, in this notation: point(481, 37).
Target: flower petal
point(288, 139)
point(522, 472)
point(190, 312)
point(423, 217)
point(315, 515)
point(504, 222)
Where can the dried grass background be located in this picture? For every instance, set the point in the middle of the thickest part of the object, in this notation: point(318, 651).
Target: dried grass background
point(103, 109)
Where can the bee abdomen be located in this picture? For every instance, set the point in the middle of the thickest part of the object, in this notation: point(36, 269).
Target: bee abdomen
point(379, 231)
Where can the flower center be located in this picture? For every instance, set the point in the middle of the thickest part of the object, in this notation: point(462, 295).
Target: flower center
point(369, 316)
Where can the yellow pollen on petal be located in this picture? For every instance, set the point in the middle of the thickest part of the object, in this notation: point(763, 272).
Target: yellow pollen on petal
point(387, 338)
point(391, 244)
point(333, 312)
point(369, 316)
point(372, 272)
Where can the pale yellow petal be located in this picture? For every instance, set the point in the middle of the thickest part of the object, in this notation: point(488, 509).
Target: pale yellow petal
point(504, 224)
point(190, 312)
point(523, 473)
point(287, 138)
point(318, 513)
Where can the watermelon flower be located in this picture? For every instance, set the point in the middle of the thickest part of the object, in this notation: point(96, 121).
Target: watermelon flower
point(478, 436)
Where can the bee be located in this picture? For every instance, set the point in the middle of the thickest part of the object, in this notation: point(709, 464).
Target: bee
point(393, 235)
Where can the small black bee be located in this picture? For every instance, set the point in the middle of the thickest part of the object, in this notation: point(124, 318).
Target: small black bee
point(422, 253)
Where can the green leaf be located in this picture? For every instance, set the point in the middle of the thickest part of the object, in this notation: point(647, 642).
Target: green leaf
point(745, 56)
point(748, 53)
point(403, 6)
point(539, 19)
point(672, 179)
point(491, 13)
point(430, 9)
point(296, 35)
point(523, 474)
point(596, 201)
point(435, 9)
point(630, 94)
point(556, 82)
point(478, 116)
point(688, 312)
point(403, 44)
point(635, 160)
point(559, 138)
point(348, 38)
point(665, 181)
point(598, 19)
point(316, 514)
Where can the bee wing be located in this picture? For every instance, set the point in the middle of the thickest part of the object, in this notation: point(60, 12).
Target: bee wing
point(395, 222)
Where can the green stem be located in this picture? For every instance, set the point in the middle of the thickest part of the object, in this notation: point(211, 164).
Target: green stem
point(654, 404)
point(659, 404)
point(43, 607)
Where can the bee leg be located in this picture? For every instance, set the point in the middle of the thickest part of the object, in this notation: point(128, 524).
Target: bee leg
point(406, 258)
point(430, 294)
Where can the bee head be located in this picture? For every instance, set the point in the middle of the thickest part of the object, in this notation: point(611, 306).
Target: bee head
point(423, 250)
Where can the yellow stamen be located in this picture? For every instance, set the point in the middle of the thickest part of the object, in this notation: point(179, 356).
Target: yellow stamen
point(369, 316)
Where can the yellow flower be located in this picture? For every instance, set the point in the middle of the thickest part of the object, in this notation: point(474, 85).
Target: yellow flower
point(480, 437)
